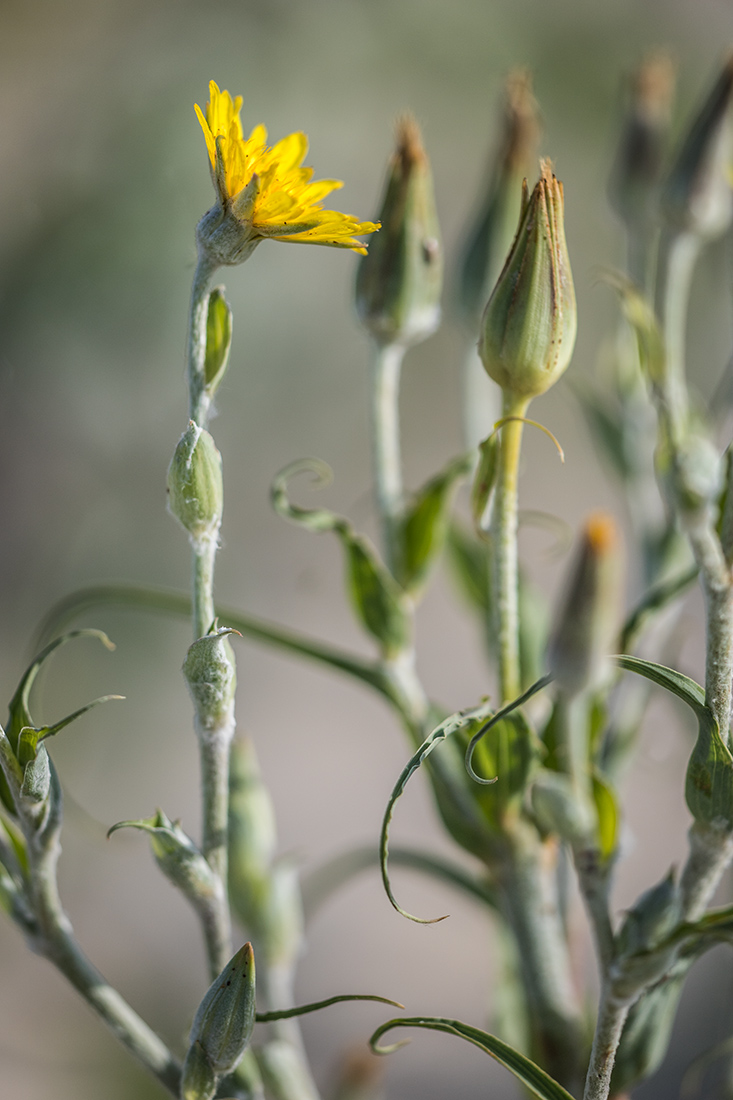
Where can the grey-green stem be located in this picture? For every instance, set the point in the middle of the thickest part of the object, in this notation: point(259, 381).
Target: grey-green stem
point(199, 400)
point(611, 1019)
point(214, 743)
point(678, 255)
point(385, 426)
point(54, 938)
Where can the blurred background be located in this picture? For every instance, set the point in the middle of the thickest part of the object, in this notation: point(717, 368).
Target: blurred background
point(105, 176)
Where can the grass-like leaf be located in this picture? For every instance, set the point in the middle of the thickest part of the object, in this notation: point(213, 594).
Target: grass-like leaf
point(530, 1075)
point(302, 1010)
point(440, 734)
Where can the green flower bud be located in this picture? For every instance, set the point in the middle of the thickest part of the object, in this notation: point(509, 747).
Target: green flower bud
point(491, 235)
point(195, 487)
point(653, 917)
point(529, 324)
point(399, 281)
point(697, 195)
point(211, 676)
point(584, 628)
point(636, 173)
point(225, 1018)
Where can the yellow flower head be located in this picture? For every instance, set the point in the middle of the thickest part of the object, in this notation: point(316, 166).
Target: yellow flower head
point(269, 190)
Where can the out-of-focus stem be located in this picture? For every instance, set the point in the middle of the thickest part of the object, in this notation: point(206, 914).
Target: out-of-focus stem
point(199, 400)
point(385, 424)
point(678, 254)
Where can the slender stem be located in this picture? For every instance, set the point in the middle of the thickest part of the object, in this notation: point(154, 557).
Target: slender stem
point(385, 424)
point(530, 903)
point(593, 879)
point(214, 743)
point(504, 543)
point(611, 1019)
point(679, 252)
point(203, 558)
point(199, 400)
point(56, 941)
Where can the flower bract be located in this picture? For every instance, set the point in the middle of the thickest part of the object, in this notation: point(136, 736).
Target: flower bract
point(268, 189)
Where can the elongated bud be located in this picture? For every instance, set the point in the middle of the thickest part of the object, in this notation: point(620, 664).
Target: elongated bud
point(636, 173)
point(490, 236)
point(195, 486)
point(529, 324)
point(177, 856)
point(212, 680)
point(399, 281)
point(653, 916)
point(218, 340)
point(225, 1018)
point(581, 640)
point(697, 195)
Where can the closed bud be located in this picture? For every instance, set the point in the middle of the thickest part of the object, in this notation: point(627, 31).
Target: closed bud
point(177, 856)
point(212, 680)
point(636, 174)
point(584, 627)
point(698, 473)
point(652, 918)
point(225, 1018)
point(697, 195)
point(559, 809)
point(529, 324)
point(491, 235)
point(399, 281)
point(36, 778)
point(195, 487)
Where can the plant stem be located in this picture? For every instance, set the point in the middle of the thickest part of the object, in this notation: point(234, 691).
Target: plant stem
point(504, 549)
point(678, 254)
point(199, 400)
point(385, 425)
point(214, 743)
point(56, 941)
point(611, 1019)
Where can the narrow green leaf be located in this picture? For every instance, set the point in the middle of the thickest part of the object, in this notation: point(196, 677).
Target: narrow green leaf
point(658, 597)
point(318, 885)
point(500, 714)
point(302, 1010)
point(529, 1074)
point(470, 561)
point(640, 315)
point(169, 602)
point(709, 781)
point(606, 429)
point(449, 726)
point(31, 737)
point(376, 597)
point(607, 810)
point(218, 339)
point(426, 522)
point(484, 481)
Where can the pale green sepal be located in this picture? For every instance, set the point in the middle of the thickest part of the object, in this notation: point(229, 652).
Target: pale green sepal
point(211, 677)
point(425, 525)
point(378, 600)
point(199, 1080)
point(177, 856)
point(36, 784)
point(441, 733)
point(651, 919)
point(225, 1019)
point(218, 340)
point(709, 781)
point(530, 1075)
point(195, 485)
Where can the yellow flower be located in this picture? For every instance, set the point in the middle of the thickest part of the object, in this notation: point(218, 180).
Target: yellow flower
point(268, 190)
